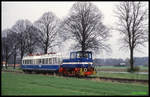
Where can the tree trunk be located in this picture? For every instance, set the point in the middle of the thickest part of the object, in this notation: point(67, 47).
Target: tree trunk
point(45, 50)
point(22, 53)
point(14, 60)
point(131, 59)
point(6, 63)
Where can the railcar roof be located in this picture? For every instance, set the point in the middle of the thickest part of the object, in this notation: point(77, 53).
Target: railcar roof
point(58, 55)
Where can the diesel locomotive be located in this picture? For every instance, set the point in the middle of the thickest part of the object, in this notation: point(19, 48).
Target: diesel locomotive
point(79, 64)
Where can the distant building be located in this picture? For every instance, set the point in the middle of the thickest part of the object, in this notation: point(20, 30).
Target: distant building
point(3, 63)
point(17, 65)
point(123, 64)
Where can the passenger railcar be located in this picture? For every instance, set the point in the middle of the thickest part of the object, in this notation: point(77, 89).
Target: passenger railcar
point(41, 63)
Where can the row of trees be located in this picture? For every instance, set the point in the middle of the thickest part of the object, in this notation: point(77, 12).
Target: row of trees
point(83, 24)
point(25, 38)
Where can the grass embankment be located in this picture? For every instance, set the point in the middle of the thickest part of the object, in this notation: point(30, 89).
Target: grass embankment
point(119, 69)
point(107, 73)
point(32, 84)
point(123, 75)
point(12, 68)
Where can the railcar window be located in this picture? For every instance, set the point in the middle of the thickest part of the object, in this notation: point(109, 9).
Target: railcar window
point(54, 60)
point(59, 60)
point(34, 62)
point(26, 61)
point(37, 61)
point(31, 61)
point(40, 61)
point(43, 61)
point(50, 60)
point(46, 60)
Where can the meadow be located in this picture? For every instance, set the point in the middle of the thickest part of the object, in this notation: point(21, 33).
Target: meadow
point(33, 84)
point(106, 71)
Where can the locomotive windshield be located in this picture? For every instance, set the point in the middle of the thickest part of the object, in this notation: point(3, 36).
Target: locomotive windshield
point(84, 55)
point(81, 54)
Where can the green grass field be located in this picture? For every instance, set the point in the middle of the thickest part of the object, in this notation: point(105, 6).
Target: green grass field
point(32, 84)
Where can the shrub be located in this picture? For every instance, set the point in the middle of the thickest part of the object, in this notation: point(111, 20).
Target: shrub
point(135, 69)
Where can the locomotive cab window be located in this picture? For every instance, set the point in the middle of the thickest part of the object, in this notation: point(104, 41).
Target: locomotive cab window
point(84, 55)
point(73, 55)
point(90, 55)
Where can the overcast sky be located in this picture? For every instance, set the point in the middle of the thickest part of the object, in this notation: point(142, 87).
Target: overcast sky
point(13, 11)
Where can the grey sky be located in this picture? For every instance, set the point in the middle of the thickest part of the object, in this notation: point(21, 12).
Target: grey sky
point(13, 11)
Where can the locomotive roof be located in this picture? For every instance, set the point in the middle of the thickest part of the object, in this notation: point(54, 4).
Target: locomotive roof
point(82, 51)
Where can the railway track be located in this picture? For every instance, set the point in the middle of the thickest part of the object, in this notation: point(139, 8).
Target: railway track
point(121, 80)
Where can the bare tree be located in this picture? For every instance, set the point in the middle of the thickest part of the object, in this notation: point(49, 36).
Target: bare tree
point(14, 48)
point(47, 25)
point(4, 47)
point(9, 44)
point(132, 25)
point(31, 39)
point(84, 25)
point(23, 29)
point(21, 37)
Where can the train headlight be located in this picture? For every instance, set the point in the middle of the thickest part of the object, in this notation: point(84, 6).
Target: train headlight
point(85, 69)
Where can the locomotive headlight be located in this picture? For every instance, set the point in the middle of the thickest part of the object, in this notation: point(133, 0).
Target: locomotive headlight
point(85, 69)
